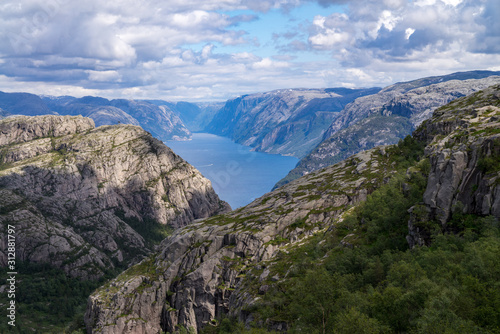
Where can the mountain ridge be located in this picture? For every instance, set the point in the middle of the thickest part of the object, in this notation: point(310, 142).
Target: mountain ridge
point(286, 121)
point(387, 116)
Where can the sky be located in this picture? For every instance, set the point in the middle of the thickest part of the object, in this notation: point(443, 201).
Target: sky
point(208, 50)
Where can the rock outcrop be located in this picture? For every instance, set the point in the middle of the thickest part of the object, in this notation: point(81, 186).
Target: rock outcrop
point(287, 122)
point(386, 117)
point(88, 199)
point(464, 149)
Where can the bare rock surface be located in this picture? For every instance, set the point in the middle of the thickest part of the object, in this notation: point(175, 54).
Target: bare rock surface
point(86, 199)
point(198, 273)
point(464, 148)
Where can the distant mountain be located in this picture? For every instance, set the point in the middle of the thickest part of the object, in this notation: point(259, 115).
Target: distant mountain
point(23, 104)
point(288, 122)
point(160, 121)
point(387, 116)
point(195, 116)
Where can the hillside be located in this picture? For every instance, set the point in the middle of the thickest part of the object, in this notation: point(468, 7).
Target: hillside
point(287, 122)
point(195, 116)
point(87, 203)
point(98, 187)
point(388, 116)
point(400, 238)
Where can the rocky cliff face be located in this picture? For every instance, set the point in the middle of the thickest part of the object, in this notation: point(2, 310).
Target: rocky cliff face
point(86, 199)
point(386, 117)
point(288, 122)
point(464, 150)
point(220, 265)
point(195, 116)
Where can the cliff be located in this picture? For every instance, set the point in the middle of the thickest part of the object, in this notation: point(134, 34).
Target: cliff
point(287, 122)
point(388, 116)
point(463, 140)
point(229, 264)
point(198, 273)
point(88, 199)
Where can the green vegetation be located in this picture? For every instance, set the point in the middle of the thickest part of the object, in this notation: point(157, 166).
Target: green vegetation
point(361, 277)
point(490, 163)
point(152, 231)
point(47, 300)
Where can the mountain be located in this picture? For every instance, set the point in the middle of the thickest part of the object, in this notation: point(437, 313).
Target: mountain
point(388, 116)
point(160, 121)
point(195, 116)
point(287, 122)
point(400, 238)
point(86, 199)
point(23, 104)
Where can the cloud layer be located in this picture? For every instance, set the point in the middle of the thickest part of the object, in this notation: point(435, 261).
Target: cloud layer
point(199, 50)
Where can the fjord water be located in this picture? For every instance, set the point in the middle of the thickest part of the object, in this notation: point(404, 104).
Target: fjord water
point(238, 175)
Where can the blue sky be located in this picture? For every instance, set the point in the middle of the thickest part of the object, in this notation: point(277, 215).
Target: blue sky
point(212, 50)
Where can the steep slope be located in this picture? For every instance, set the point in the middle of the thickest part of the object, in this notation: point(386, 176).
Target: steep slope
point(387, 116)
point(87, 199)
point(191, 280)
point(230, 264)
point(160, 121)
point(288, 122)
point(463, 140)
point(421, 97)
point(195, 116)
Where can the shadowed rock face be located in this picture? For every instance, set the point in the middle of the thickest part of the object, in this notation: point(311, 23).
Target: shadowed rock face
point(206, 269)
point(73, 190)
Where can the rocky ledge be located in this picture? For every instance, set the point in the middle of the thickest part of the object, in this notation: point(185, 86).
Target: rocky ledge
point(463, 140)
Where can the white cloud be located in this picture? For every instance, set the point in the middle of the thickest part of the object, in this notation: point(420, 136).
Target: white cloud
point(184, 49)
point(104, 76)
point(267, 63)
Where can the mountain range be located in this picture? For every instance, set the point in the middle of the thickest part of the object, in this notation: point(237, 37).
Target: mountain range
point(287, 122)
point(381, 239)
point(387, 116)
point(315, 242)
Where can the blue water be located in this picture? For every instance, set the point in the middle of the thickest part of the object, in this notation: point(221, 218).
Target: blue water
point(238, 175)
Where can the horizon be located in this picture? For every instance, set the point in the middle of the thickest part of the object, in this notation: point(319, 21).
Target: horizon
point(229, 98)
point(217, 50)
